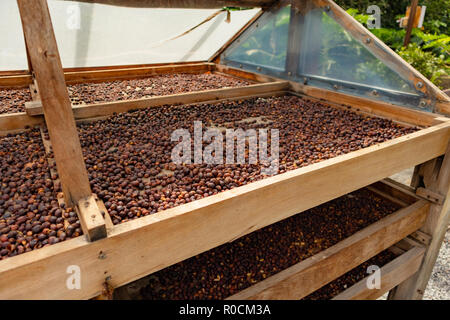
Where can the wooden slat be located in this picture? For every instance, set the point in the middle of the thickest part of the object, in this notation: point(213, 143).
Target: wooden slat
point(15, 81)
point(392, 274)
point(259, 77)
point(96, 74)
point(148, 244)
point(313, 273)
point(380, 50)
point(194, 4)
point(107, 108)
point(397, 190)
point(18, 121)
point(379, 108)
point(44, 56)
point(139, 72)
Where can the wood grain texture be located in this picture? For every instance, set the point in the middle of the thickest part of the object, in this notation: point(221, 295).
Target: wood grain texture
point(383, 109)
point(18, 122)
point(392, 274)
point(313, 273)
point(95, 75)
point(91, 219)
point(108, 108)
point(44, 56)
point(148, 244)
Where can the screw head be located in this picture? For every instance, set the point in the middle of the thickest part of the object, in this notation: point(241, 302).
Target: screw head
point(420, 84)
point(305, 80)
point(422, 104)
point(327, 8)
point(368, 40)
point(258, 68)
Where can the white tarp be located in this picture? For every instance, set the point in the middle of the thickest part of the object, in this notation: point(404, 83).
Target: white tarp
point(99, 35)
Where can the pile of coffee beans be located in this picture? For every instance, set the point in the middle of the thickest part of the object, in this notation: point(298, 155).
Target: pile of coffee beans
point(165, 84)
point(13, 100)
point(30, 216)
point(128, 156)
point(233, 267)
point(350, 278)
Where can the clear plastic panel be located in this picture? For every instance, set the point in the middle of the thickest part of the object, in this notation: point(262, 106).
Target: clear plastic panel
point(265, 43)
point(308, 45)
point(13, 55)
point(101, 35)
point(328, 51)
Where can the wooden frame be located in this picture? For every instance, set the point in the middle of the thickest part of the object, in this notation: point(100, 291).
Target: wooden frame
point(392, 274)
point(120, 256)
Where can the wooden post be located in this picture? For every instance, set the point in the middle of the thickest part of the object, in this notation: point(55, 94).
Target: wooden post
point(412, 15)
point(45, 60)
point(435, 226)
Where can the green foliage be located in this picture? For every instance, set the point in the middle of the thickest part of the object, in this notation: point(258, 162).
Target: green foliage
point(392, 37)
point(437, 16)
point(344, 58)
point(361, 18)
point(426, 63)
point(390, 10)
point(439, 45)
point(428, 53)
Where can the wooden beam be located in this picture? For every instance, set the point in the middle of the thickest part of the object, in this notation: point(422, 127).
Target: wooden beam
point(193, 4)
point(142, 246)
point(78, 76)
point(397, 190)
point(252, 76)
point(436, 226)
point(18, 121)
point(15, 81)
point(313, 273)
point(380, 50)
point(91, 219)
point(392, 274)
point(95, 74)
point(378, 108)
point(44, 57)
point(108, 108)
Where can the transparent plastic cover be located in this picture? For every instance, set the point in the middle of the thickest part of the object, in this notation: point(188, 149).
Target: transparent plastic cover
point(307, 44)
